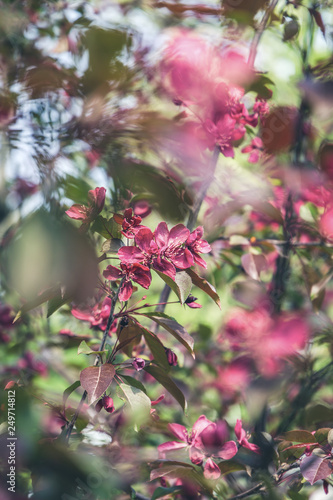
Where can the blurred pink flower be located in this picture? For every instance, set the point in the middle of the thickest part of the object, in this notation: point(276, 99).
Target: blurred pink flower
point(267, 340)
point(90, 212)
point(97, 315)
point(242, 438)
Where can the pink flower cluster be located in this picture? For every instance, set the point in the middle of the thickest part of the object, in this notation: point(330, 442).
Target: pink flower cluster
point(163, 250)
point(209, 82)
point(206, 441)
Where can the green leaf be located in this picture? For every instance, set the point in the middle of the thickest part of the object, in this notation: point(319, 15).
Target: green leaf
point(108, 228)
point(76, 189)
point(203, 284)
point(69, 390)
point(181, 286)
point(85, 349)
point(161, 492)
point(157, 349)
point(45, 296)
point(299, 436)
point(184, 471)
point(112, 245)
point(229, 466)
point(139, 403)
point(317, 287)
point(57, 302)
point(176, 330)
point(163, 378)
point(133, 382)
point(321, 435)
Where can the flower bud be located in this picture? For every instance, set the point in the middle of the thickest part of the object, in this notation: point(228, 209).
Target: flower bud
point(138, 364)
point(171, 356)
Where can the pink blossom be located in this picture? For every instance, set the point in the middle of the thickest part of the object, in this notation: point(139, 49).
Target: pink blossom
point(214, 439)
point(97, 315)
point(163, 250)
point(267, 340)
point(90, 212)
point(255, 149)
point(131, 272)
point(188, 440)
point(141, 208)
point(130, 223)
point(197, 245)
point(206, 438)
point(242, 438)
point(30, 363)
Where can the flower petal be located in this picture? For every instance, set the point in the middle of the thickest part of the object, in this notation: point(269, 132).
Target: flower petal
point(112, 273)
point(228, 450)
point(178, 234)
point(161, 235)
point(211, 470)
point(126, 291)
point(143, 239)
point(179, 431)
point(79, 212)
point(130, 255)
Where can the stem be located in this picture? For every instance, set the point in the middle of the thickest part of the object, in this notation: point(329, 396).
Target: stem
point(259, 32)
point(192, 220)
point(97, 360)
point(276, 478)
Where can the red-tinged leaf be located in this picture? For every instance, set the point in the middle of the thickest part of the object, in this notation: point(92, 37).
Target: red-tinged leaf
point(156, 348)
point(314, 468)
point(96, 379)
point(69, 390)
point(128, 337)
point(318, 20)
point(173, 472)
point(299, 436)
point(330, 438)
point(254, 264)
point(229, 466)
point(9, 385)
point(176, 330)
point(163, 378)
point(181, 286)
point(321, 435)
point(203, 284)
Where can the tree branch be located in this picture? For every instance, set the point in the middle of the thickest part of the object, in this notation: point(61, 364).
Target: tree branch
point(259, 32)
point(97, 361)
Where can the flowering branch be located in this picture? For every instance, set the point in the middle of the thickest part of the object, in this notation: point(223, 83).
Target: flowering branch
point(97, 361)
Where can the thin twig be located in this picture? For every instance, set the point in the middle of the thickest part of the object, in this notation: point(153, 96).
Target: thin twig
point(97, 361)
point(192, 220)
point(259, 32)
